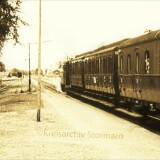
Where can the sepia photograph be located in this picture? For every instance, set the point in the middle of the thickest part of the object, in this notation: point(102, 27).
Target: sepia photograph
point(79, 79)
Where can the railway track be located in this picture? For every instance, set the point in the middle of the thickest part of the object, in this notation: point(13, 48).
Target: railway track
point(48, 85)
point(149, 122)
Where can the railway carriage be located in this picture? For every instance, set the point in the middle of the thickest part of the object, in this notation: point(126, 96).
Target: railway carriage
point(125, 71)
point(65, 80)
point(139, 70)
point(99, 71)
point(95, 71)
point(76, 73)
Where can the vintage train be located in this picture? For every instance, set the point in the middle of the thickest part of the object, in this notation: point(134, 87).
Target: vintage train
point(126, 72)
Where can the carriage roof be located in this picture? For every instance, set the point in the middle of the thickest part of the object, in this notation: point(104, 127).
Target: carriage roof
point(152, 35)
point(100, 49)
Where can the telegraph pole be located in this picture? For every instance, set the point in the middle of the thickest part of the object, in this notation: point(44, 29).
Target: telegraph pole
point(39, 67)
point(29, 71)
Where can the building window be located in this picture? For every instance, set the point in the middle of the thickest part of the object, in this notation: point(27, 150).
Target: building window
point(128, 64)
point(147, 63)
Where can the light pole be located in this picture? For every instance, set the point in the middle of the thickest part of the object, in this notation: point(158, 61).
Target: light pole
point(39, 67)
point(29, 71)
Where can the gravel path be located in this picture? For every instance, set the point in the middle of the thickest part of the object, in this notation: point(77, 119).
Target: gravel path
point(70, 129)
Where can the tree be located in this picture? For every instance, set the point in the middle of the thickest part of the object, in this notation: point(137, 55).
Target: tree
point(2, 67)
point(9, 21)
point(16, 72)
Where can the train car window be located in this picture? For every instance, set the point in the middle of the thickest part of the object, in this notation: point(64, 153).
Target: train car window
point(86, 67)
point(77, 66)
point(87, 61)
point(97, 66)
point(129, 64)
point(93, 66)
point(147, 63)
point(80, 66)
point(104, 65)
point(89, 64)
point(72, 68)
point(101, 66)
point(110, 64)
point(121, 64)
point(75, 71)
point(93, 63)
point(137, 63)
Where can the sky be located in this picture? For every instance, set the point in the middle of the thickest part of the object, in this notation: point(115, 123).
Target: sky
point(73, 27)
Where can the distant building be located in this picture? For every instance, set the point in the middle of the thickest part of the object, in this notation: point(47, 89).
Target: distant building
point(54, 73)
